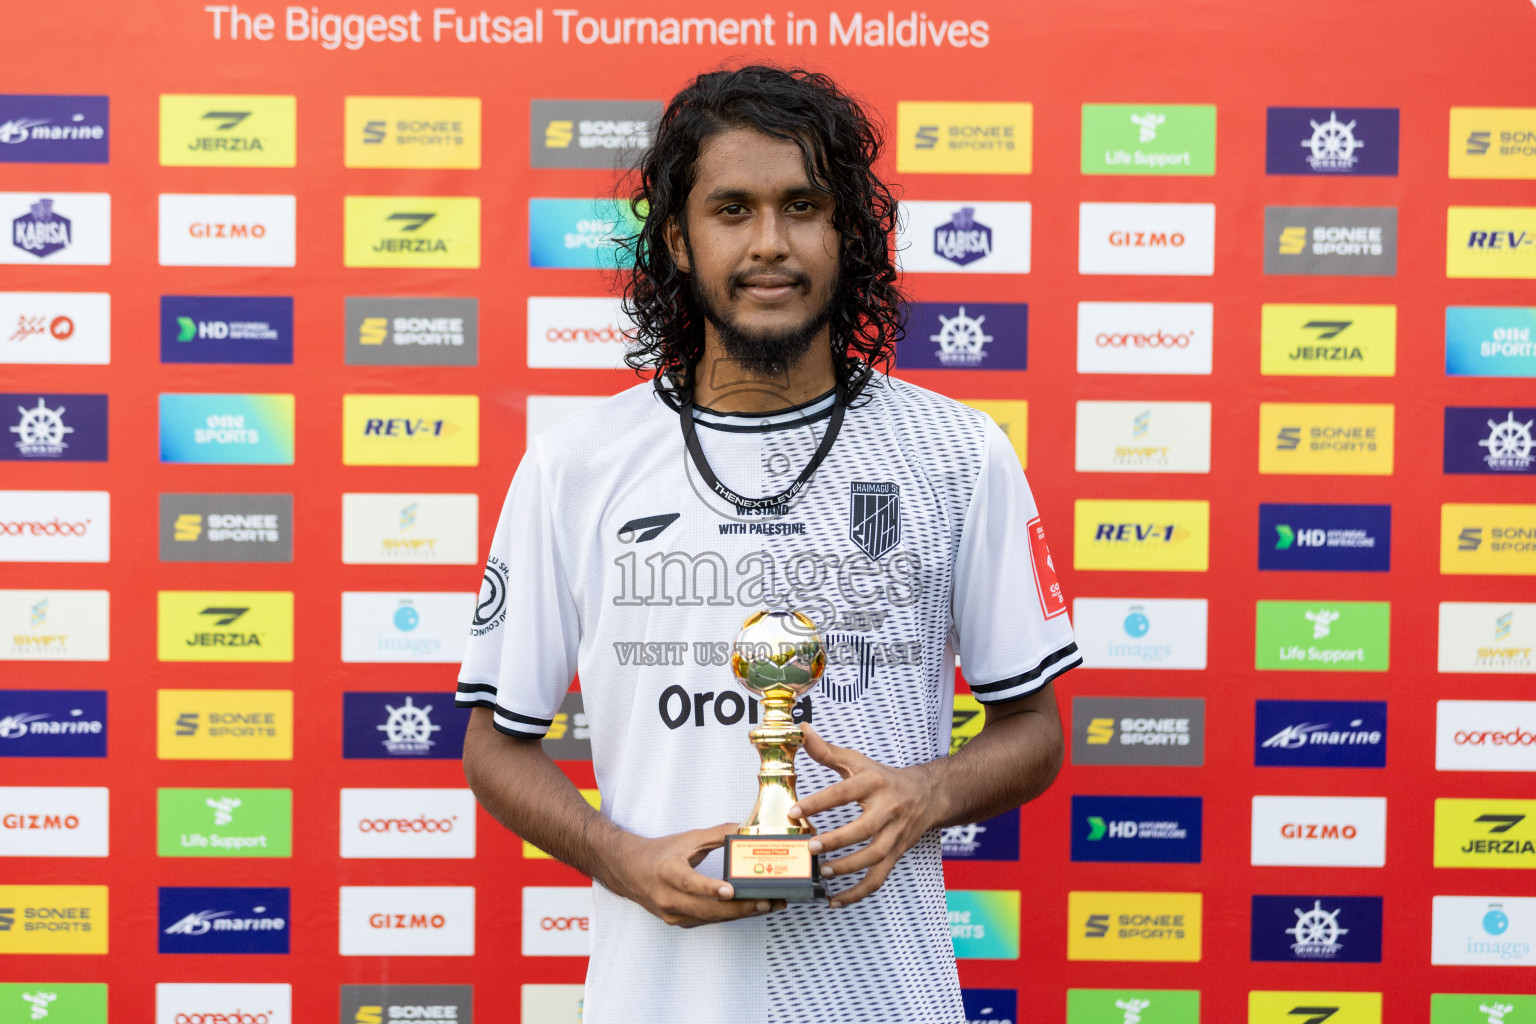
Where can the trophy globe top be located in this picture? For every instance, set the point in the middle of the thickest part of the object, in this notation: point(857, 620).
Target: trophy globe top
point(778, 655)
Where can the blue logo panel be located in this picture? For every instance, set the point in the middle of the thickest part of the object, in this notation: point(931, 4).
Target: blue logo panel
point(1496, 440)
point(990, 1005)
point(965, 336)
point(229, 429)
point(54, 130)
point(1320, 734)
point(44, 427)
point(994, 839)
point(1490, 341)
point(580, 234)
point(208, 920)
point(402, 725)
point(1346, 141)
point(1141, 829)
point(1327, 538)
point(53, 723)
point(226, 329)
point(1317, 929)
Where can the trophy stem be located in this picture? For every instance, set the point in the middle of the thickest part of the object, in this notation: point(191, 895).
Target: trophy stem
point(777, 740)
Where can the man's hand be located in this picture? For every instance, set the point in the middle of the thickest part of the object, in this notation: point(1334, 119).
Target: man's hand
point(896, 809)
point(659, 875)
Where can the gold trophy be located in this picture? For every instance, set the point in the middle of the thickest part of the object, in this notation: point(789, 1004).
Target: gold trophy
point(778, 657)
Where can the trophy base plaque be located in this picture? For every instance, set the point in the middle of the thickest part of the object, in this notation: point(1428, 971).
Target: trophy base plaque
point(773, 868)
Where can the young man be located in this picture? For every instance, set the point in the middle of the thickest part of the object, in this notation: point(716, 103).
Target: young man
point(768, 465)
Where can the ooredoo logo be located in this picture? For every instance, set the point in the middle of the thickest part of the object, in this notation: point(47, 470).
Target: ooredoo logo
point(223, 1004)
point(1485, 736)
point(407, 920)
point(55, 526)
point(1144, 337)
point(1320, 831)
point(556, 920)
point(407, 823)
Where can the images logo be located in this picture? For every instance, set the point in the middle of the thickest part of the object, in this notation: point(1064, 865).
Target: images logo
point(1493, 440)
point(411, 529)
point(580, 234)
point(1485, 736)
point(557, 920)
point(1138, 730)
point(1136, 829)
point(413, 131)
point(1485, 833)
point(53, 723)
point(1492, 931)
point(1328, 341)
point(54, 129)
point(1139, 1006)
point(392, 627)
point(409, 725)
point(225, 822)
point(1328, 538)
point(1143, 437)
point(1331, 240)
point(412, 231)
point(407, 823)
point(1154, 536)
point(207, 625)
point(963, 236)
point(1137, 633)
point(227, 428)
point(1490, 341)
point(964, 138)
point(60, 227)
point(1344, 141)
point(203, 1003)
point(226, 527)
point(1314, 1007)
point(55, 526)
point(1136, 926)
point(1144, 337)
point(1176, 239)
point(202, 230)
point(228, 131)
point(984, 923)
point(53, 821)
point(1325, 439)
point(1121, 138)
point(1332, 636)
point(1320, 734)
point(1490, 241)
point(53, 919)
point(229, 920)
point(995, 838)
point(598, 134)
point(1317, 929)
point(412, 332)
point(1319, 831)
point(972, 335)
point(54, 625)
point(410, 430)
point(375, 1004)
point(224, 725)
point(226, 329)
point(1493, 142)
point(1488, 540)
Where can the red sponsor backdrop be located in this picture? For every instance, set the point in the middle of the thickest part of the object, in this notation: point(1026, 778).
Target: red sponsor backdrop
point(1420, 56)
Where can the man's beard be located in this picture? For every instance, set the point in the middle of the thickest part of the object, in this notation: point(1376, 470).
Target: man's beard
point(762, 353)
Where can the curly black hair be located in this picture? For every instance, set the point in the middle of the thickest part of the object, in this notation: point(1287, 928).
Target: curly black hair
point(840, 143)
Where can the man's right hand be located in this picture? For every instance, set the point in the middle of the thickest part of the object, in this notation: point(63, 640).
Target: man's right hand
point(659, 875)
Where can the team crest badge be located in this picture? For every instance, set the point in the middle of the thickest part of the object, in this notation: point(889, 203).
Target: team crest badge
point(874, 517)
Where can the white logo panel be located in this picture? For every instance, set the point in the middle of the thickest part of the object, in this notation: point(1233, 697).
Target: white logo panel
point(1177, 239)
point(577, 333)
point(56, 227)
point(1320, 831)
point(207, 230)
point(553, 1004)
point(544, 411)
point(408, 823)
point(963, 237)
point(53, 821)
point(1132, 632)
point(1485, 736)
point(1491, 931)
point(1144, 337)
point(223, 1004)
point(410, 529)
point(1487, 637)
point(401, 627)
point(55, 526)
point(557, 920)
point(56, 328)
point(54, 625)
point(1143, 437)
point(407, 920)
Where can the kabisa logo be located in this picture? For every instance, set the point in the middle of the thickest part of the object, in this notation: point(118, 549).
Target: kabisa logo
point(964, 138)
point(1343, 141)
point(381, 1004)
point(60, 227)
point(1319, 831)
point(226, 527)
point(228, 131)
point(1320, 734)
point(1316, 929)
point(54, 129)
point(409, 725)
point(1490, 242)
point(1120, 138)
point(1141, 633)
point(225, 725)
point(227, 428)
point(412, 231)
point(1339, 636)
point(214, 625)
point(412, 332)
point(53, 919)
point(55, 328)
point(410, 529)
point(971, 335)
point(413, 131)
point(1485, 833)
point(984, 924)
point(1485, 735)
point(964, 237)
point(1177, 239)
point(53, 723)
point(1327, 538)
point(67, 1003)
point(580, 234)
point(990, 1005)
point(226, 329)
point(1493, 142)
point(1497, 440)
point(1134, 926)
point(1144, 337)
point(225, 822)
point(42, 232)
point(1491, 540)
point(1140, 1006)
point(1492, 931)
point(54, 428)
point(394, 627)
point(227, 920)
point(1266, 1007)
point(1140, 829)
point(598, 134)
point(410, 430)
point(1331, 240)
point(995, 838)
point(209, 1003)
point(1168, 536)
point(1328, 340)
point(1138, 730)
point(1326, 439)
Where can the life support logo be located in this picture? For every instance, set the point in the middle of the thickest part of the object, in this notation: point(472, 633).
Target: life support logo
point(1138, 1006)
point(1134, 926)
point(407, 823)
point(407, 920)
point(557, 920)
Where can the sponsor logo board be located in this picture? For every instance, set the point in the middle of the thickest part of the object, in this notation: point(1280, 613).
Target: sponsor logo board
point(55, 526)
point(1488, 540)
point(593, 798)
point(1464, 1008)
point(224, 725)
point(1326, 439)
point(1176, 239)
point(57, 1002)
point(1319, 831)
point(208, 230)
point(1145, 1006)
point(1485, 736)
point(964, 237)
point(224, 822)
point(569, 738)
point(1320, 734)
point(407, 823)
point(57, 227)
point(965, 336)
point(1480, 636)
point(53, 821)
point(412, 331)
point(1265, 1007)
point(226, 527)
point(412, 131)
point(226, 329)
point(407, 725)
point(216, 1003)
point(1488, 931)
point(450, 1004)
point(1323, 636)
point(1144, 337)
point(65, 919)
point(557, 1004)
point(229, 429)
point(1325, 538)
point(995, 838)
point(1316, 929)
point(1340, 141)
point(1138, 731)
point(48, 427)
point(410, 529)
point(579, 234)
point(1150, 536)
point(990, 1005)
point(1490, 242)
point(56, 328)
point(557, 920)
point(1490, 341)
point(1128, 138)
point(228, 131)
point(964, 138)
point(1349, 241)
point(225, 625)
point(1491, 440)
point(1136, 829)
point(598, 134)
point(1327, 340)
point(1134, 926)
point(410, 430)
point(404, 627)
point(223, 920)
point(1143, 437)
point(53, 723)
point(412, 231)
point(407, 920)
point(582, 333)
point(1485, 833)
point(1012, 418)
point(984, 923)
point(40, 129)
point(54, 625)
point(1493, 142)
point(1130, 633)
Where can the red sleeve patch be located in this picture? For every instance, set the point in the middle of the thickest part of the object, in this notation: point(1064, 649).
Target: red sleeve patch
point(1052, 601)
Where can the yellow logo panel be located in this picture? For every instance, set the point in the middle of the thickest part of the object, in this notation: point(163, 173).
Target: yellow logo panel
point(410, 430)
point(224, 725)
point(1314, 1008)
point(1328, 440)
point(1493, 142)
point(531, 852)
point(1485, 833)
point(966, 721)
point(1328, 341)
point(228, 131)
point(1154, 536)
point(412, 231)
point(1488, 540)
point(413, 131)
point(1133, 926)
point(1490, 241)
point(225, 625)
point(53, 919)
point(1012, 416)
point(964, 138)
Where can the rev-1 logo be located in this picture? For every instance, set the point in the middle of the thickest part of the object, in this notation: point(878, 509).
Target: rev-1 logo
point(399, 427)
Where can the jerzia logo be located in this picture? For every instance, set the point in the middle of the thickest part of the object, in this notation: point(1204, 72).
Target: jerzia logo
point(1485, 833)
point(228, 131)
point(412, 231)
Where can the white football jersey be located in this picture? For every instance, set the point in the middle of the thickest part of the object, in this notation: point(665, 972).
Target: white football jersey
point(916, 538)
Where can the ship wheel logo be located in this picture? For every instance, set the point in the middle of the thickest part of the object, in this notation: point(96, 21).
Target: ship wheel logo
point(1317, 932)
point(41, 430)
point(1509, 443)
point(409, 728)
point(961, 339)
point(1333, 144)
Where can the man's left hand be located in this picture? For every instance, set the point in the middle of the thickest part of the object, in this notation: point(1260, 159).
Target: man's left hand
point(896, 806)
